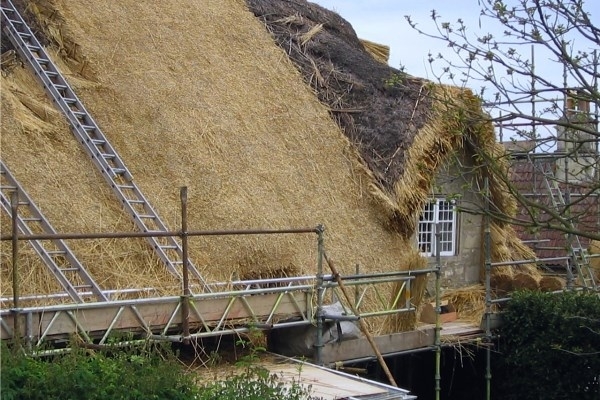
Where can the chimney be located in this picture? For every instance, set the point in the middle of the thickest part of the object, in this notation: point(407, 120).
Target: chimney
point(578, 162)
point(576, 112)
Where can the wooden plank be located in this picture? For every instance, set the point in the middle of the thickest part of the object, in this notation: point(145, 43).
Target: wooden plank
point(359, 348)
point(326, 385)
point(460, 329)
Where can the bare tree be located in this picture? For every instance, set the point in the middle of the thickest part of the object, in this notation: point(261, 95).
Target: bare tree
point(548, 109)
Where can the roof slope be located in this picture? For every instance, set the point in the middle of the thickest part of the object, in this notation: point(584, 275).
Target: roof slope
point(405, 128)
point(197, 94)
point(194, 94)
point(583, 211)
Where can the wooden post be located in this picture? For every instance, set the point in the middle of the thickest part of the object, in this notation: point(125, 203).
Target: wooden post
point(363, 326)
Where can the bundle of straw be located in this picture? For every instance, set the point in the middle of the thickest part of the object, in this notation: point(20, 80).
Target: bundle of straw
point(379, 51)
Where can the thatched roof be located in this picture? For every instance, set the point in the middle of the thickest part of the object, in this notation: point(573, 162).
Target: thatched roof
point(220, 110)
point(197, 94)
point(406, 128)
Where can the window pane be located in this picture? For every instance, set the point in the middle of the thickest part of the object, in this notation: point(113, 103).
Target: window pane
point(425, 233)
point(438, 214)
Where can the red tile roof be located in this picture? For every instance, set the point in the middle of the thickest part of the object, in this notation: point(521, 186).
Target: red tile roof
point(584, 209)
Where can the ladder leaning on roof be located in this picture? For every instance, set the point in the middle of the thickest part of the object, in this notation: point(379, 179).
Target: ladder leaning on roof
point(63, 264)
point(95, 142)
point(581, 257)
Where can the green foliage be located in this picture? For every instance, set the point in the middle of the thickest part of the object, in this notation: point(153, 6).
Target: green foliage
point(150, 372)
point(550, 347)
point(395, 80)
point(255, 384)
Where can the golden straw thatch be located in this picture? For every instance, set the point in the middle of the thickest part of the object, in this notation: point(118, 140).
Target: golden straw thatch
point(469, 302)
point(380, 52)
point(551, 283)
point(219, 110)
point(205, 99)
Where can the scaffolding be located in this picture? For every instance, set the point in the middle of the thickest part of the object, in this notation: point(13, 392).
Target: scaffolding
point(284, 302)
point(560, 159)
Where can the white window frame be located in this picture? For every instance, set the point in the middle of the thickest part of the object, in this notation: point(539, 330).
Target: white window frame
point(437, 214)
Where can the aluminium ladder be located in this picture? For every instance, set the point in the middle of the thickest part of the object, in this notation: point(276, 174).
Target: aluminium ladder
point(55, 253)
point(581, 257)
point(95, 143)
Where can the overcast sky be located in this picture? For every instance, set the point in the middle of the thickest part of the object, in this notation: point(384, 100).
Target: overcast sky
point(383, 21)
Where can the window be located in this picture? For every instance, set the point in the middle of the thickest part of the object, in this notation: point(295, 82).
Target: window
point(438, 214)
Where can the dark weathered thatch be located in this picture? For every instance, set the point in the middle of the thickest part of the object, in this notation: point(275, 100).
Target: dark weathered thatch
point(380, 108)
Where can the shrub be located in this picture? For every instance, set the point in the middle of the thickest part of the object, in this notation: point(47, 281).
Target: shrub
point(550, 347)
point(149, 372)
point(255, 384)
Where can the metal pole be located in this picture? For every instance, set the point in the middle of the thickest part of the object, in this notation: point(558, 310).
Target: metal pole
point(14, 204)
point(488, 296)
point(597, 132)
point(320, 289)
point(185, 306)
point(438, 311)
point(356, 288)
point(572, 261)
point(116, 235)
point(533, 124)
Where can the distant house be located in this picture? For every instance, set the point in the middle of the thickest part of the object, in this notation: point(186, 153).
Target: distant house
point(572, 170)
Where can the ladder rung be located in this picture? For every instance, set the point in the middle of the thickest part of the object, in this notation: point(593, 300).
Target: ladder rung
point(169, 247)
point(125, 186)
point(51, 74)
point(31, 219)
point(56, 252)
point(118, 171)
point(33, 47)
point(107, 156)
point(82, 287)
point(69, 100)
point(88, 127)
point(135, 201)
point(98, 142)
point(24, 35)
point(42, 61)
point(11, 188)
point(73, 269)
point(148, 216)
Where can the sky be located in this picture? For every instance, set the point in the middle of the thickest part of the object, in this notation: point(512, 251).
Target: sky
point(383, 21)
